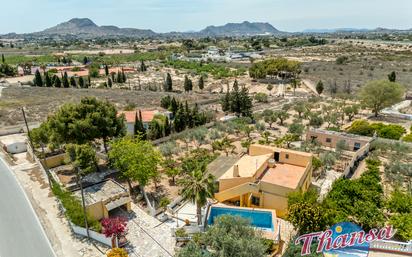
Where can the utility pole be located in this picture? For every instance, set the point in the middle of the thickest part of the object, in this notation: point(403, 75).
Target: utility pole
point(79, 181)
point(32, 148)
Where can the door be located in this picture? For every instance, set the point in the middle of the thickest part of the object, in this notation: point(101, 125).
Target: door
point(277, 155)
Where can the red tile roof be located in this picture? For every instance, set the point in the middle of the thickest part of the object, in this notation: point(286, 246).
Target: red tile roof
point(147, 116)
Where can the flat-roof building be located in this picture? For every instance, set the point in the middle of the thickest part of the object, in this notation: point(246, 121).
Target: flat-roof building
point(265, 177)
point(103, 197)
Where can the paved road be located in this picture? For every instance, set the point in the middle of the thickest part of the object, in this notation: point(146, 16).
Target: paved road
point(21, 234)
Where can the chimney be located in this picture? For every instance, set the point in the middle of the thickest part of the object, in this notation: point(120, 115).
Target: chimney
point(236, 170)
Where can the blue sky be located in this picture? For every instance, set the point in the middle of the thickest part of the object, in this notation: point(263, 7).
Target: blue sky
point(186, 15)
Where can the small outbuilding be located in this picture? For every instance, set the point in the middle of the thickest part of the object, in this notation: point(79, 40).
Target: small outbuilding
point(105, 197)
point(15, 143)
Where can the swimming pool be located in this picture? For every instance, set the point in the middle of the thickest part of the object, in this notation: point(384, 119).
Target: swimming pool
point(259, 219)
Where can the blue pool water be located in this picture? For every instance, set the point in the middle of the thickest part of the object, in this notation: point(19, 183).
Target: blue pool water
point(259, 219)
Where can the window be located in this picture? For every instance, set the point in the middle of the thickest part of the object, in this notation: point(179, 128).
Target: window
point(328, 140)
point(356, 146)
point(287, 156)
point(255, 200)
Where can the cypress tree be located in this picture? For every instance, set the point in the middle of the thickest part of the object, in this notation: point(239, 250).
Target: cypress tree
point(235, 99)
point(174, 106)
point(245, 103)
point(143, 66)
point(89, 82)
point(119, 77)
point(73, 82)
point(106, 70)
point(138, 126)
point(201, 83)
point(85, 60)
point(123, 77)
point(186, 84)
point(167, 127)
point(65, 79)
point(38, 82)
point(168, 86)
point(225, 102)
point(109, 82)
point(81, 82)
point(3, 60)
point(47, 79)
point(113, 78)
point(179, 121)
point(56, 81)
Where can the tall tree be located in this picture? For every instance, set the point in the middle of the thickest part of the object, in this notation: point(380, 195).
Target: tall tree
point(38, 81)
point(81, 82)
point(109, 82)
point(197, 186)
point(188, 85)
point(73, 82)
point(143, 66)
point(201, 83)
point(47, 80)
point(84, 122)
point(106, 70)
point(320, 87)
point(56, 81)
point(3, 60)
point(138, 126)
point(136, 159)
point(168, 85)
point(380, 94)
point(82, 156)
point(65, 80)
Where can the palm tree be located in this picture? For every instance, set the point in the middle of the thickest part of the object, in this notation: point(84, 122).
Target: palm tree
point(197, 187)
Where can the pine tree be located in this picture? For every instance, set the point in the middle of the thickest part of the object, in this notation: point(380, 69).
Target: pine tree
point(3, 60)
point(47, 79)
point(201, 83)
point(38, 82)
point(56, 81)
point(81, 82)
point(109, 82)
point(65, 79)
point(106, 70)
point(168, 85)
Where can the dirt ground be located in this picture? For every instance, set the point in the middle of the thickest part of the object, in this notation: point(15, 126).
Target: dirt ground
point(39, 102)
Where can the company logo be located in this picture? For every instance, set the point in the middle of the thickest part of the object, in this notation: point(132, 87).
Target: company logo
point(343, 240)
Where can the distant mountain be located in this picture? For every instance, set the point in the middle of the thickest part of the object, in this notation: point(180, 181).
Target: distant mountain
point(240, 29)
point(86, 28)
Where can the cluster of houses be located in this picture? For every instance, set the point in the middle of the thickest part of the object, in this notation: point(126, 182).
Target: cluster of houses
point(218, 55)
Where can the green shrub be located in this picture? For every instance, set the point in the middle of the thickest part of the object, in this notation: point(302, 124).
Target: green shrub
point(407, 138)
point(261, 97)
point(403, 224)
point(364, 128)
point(74, 209)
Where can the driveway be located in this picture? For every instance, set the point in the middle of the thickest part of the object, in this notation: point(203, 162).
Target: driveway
point(20, 231)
